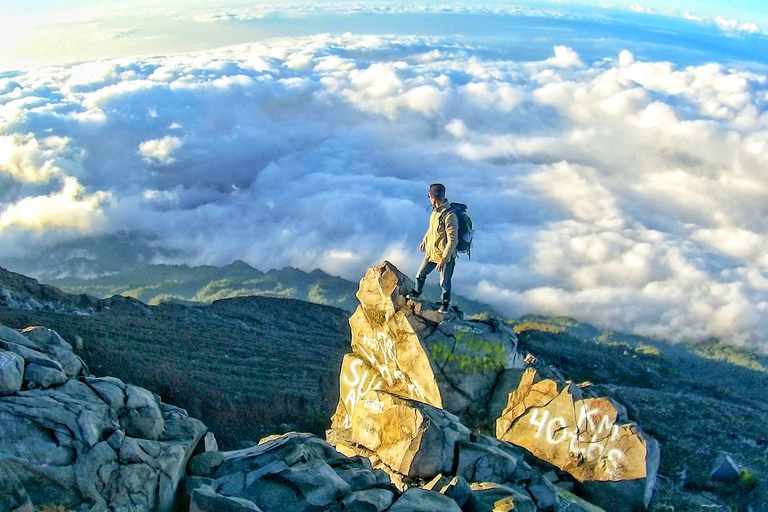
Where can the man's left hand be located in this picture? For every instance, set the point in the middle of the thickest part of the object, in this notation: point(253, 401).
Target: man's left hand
point(441, 264)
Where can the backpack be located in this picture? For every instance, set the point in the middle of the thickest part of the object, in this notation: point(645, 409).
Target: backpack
point(465, 228)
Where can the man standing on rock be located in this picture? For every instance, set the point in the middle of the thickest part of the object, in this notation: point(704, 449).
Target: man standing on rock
point(439, 246)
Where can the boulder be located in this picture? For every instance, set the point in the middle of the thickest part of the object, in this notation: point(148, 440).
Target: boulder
point(421, 500)
point(588, 438)
point(66, 446)
point(725, 469)
point(49, 342)
point(300, 472)
point(204, 464)
point(491, 497)
point(49, 360)
point(411, 437)
point(13, 495)
point(455, 488)
point(406, 348)
point(205, 499)
point(11, 372)
point(369, 500)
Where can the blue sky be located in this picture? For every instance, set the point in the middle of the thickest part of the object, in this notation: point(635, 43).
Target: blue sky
point(614, 161)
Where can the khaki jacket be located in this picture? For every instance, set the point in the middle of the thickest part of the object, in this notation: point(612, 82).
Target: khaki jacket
point(442, 238)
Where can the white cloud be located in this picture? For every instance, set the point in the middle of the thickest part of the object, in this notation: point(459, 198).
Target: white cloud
point(70, 208)
point(626, 193)
point(160, 150)
point(740, 26)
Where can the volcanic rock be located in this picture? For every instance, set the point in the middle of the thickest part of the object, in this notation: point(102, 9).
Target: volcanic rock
point(405, 348)
point(586, 437)
point(89, 443)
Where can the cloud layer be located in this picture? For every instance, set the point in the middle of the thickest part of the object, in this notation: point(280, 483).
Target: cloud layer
point(627, 193)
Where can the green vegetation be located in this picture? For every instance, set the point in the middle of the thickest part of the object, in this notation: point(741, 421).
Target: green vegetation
point(472, 353)
point(732, 355)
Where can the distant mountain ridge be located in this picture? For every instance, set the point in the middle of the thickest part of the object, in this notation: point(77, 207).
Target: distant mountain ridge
point(122, 264)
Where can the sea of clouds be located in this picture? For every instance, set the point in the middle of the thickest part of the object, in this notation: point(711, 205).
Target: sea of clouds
point(626, 193)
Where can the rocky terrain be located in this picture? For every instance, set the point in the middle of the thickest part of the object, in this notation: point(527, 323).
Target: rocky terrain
point(247, 365)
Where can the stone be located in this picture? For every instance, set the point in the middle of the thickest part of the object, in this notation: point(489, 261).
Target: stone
point(11, 372)
point(13, 336)
point(54, 345)
point(582, 436)
point(420, 500)
point(358, 472)
point(66, 446)
point(369, 500)
point(204, 464)
point(571, 503)
point(725, 469)
point(142, 416)
point(544, 494)
point(302, 487)
point(491, 497)
point(39, 376)
point(205, 499)
point(412, 438)
point(440, 360)
point(455, 488)
point(484, 463)
point(13, 495)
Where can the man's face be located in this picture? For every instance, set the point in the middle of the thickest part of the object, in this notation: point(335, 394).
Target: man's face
point(433, 200)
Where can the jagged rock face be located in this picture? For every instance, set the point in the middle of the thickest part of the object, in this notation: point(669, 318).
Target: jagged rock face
point(587, 437)
point(407, 349)
point(85, 442)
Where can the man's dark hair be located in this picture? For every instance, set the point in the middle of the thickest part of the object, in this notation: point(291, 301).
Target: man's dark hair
point(437, 190)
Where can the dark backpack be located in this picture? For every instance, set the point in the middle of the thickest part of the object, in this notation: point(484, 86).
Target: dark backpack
point(465, 228)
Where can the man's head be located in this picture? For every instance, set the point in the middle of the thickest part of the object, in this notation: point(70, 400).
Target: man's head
point(436, 193)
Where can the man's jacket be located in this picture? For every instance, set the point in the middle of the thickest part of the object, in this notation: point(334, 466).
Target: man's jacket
point(442, 238)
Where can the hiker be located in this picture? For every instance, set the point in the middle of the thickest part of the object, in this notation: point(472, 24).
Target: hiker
point(439, 246)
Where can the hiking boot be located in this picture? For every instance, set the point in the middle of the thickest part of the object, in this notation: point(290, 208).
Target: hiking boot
point(414, 294)
point(444, 307)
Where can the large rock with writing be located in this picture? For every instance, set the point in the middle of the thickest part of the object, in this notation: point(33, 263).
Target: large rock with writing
point(412, 438)
point(89, 443)
point(586, 437)
point(414, 441)
point(407, 348)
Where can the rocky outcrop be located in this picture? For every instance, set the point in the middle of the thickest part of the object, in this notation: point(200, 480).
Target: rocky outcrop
point(290, 473)
point(589, 438)
point(83, 442)
point(407, 348)
point(418, 382)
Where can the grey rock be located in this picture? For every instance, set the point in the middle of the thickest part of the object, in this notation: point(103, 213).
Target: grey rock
point(204, 464)
point(39, 376)
point(310, 484)
point(13, 336)
point(369, 500)
point(485, 463)
point(31, 355)
point(205, 499)
point(13, 495)
point(455, 488)
point(66, 446)
point(725, 469)
point(110, 390)
point(421, 500)
point(142, 417)
point(545, 495)
point(11, 372)
point(571, 503)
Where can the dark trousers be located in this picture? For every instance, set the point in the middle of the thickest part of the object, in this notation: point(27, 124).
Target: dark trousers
point(445, 277)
